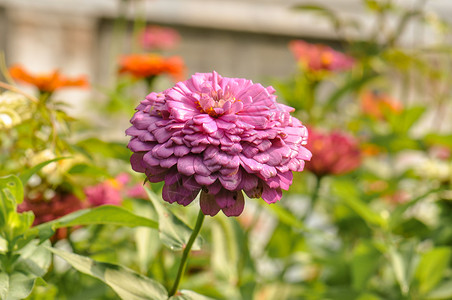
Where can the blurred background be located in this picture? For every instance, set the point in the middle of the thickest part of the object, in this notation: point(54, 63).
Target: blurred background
point(367, 219)
point(236, 38)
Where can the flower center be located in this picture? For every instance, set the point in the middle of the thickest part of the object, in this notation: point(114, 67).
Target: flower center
point(216, 103)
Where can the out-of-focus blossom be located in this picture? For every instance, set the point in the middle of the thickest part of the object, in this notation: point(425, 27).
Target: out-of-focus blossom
point(136, 191)
point(159, 38)
point(219, 136)
point(47, 82)
point(60, 204)
point(315, 57)
point(149, 65)
point(397, 197)
point(14, 109)
point(368, 149)
point(440, 152)
point(107, 192)
point(436, 169)
point(333, 153)
point(377, 105)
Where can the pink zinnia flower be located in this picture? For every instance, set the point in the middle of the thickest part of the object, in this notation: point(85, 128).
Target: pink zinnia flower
point(219, 136)
point(315, 57)
point(334, 153)
point(107, 192)
point(157, 37)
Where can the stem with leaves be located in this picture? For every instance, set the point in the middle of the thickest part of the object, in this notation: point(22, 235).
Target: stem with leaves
point(183, 262)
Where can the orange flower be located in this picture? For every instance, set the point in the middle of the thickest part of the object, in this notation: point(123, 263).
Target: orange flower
point(148, 65)
point(377, 105)
point(47, 82)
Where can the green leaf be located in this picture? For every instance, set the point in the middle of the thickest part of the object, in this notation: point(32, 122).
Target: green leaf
point(286, 217)
point(397, 215)
point(443, 291)
point(125, 282)
point(431, 268)
point(400, 270)
point(11, 194)
point(189, 295)
point(105, 214)
point(26, 175)
point(364, 263)
point(146, 239)
point(15, 286)
point(88, 170)
point(225, 251)
point(12, 189)
point(346, 190)
point(34, 261)
point(105, 149)
point(439, 139)
point(403, 122)
point(174, 233)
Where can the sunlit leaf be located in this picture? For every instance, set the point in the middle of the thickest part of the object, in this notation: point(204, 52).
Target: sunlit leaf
point(189, 295)
point(125, 282)
point(12, 189)
point(400, 270)
point(174, 233)
point(432, 267)
point(33, 262)
point(443, 291)
point(106, 214)
point(365, 261)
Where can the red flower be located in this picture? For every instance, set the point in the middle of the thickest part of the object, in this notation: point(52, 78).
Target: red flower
point(315, 57)
point(149, 65)
point(333, 153)
point(47, 82)
point(47, 210)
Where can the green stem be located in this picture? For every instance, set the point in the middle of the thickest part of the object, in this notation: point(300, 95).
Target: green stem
point(183, 262)
point(314, 196)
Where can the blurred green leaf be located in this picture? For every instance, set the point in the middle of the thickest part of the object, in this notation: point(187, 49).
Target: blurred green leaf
point(285, 216)
point(365, 261)
point(442, 291)
point(106, 214)
point(396, 216)
point(400, 269)
point(106, 149)
point(146, 239)
point(26, 175)
point(347, 191)
point(12, 190)
point(174, 233)
point(11, 194)
point(189, 295)
point(432, 267)
point(125, 282)
point(439, 139)
point(33, 262)
point(225, 250)
point(403, 122)
point(88, 170)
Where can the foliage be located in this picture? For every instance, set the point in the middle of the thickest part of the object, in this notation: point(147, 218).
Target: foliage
point(381, 230)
